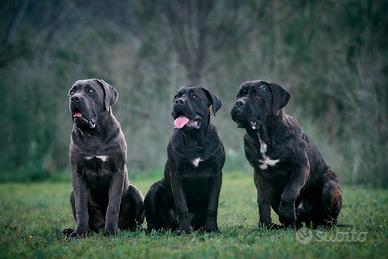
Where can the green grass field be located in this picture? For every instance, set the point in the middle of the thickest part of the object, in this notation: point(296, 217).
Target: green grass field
point(33, 216)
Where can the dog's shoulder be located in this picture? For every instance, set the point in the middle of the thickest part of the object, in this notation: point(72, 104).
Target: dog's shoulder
point(212, 135)
point(290, 128)
point(303, 148)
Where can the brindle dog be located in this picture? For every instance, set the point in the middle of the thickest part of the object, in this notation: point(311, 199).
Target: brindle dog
point(289, 172)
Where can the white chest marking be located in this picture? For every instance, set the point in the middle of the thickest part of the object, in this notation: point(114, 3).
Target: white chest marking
point(266, 160)
point(196, 161)
point(103, 158)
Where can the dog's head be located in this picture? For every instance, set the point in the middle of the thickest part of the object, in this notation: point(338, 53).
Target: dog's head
point(256, 101)
point(88, 99)
point(191, 108)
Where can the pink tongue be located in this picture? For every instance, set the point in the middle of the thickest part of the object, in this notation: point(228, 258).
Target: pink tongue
point(77, 115)
point(180, 122)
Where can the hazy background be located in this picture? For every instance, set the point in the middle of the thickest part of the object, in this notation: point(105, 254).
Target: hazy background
point(331, 55)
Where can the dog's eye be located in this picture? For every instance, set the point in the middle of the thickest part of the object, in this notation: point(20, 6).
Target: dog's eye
point(193, 96)
point(71, 92)
point(91, 90)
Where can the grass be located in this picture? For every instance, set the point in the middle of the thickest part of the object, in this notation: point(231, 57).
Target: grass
point(33, 216)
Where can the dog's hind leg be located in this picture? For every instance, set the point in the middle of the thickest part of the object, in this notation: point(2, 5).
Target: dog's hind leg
point(159, 208)
point(331, 200)
point(304, 209)
point(132, 209)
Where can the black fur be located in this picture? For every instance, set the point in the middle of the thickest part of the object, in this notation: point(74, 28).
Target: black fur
point(296, 182)
point(187, 197)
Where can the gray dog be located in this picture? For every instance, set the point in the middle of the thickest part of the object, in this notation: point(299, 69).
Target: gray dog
point(102, 195)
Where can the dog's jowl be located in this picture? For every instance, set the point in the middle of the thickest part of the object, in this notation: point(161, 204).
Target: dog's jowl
point(289, 172)
point(102, 196)
point(187, 197)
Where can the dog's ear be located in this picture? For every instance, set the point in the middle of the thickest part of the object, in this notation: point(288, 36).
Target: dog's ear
point(214, 100)
point(280, 98)
point(110, 94)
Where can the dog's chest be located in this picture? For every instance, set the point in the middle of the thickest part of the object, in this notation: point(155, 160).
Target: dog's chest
point(96, 165)
point(264, 160)
point(195, 167)
point(101, 158)
point(196, 161)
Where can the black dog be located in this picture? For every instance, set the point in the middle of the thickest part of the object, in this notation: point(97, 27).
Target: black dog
point(102, 195)
point(290, 173)
point(187, 197)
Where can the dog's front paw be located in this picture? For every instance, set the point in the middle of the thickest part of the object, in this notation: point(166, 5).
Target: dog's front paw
point(67, 231)
point(211, 222)
point(184, 224)
point(184, 227)
point(184, 230)
point(110, 229)
point(287, 215)
point(79, 232)
point(211, 226)
point(270, 225)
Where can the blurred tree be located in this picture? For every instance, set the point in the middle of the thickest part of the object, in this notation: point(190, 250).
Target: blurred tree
point(331, 55)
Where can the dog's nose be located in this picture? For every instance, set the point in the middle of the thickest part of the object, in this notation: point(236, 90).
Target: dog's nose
point(75, 98)
point(180, 101)
point(240, 103)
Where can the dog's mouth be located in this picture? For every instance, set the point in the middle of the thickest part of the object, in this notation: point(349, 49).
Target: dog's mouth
point(254, 124)
point(242, 121)
point(250, 123)
point(239, 118)
point(180, 121)
point(80, 119)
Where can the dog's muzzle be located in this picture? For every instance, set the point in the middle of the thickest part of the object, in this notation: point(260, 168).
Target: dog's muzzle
point(78, 113)
point(183, 117)
point(241, 116)
point(238, 113)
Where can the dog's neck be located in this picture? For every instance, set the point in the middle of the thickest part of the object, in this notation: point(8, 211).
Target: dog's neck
point(268, 130)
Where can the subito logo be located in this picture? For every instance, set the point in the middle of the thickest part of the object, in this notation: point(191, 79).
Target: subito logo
point(304, 235)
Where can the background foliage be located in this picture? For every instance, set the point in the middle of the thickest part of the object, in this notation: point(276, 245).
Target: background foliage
point(331, 55)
